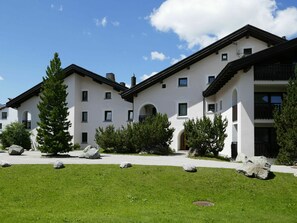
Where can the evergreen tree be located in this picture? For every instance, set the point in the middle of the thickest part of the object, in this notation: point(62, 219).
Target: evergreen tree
point(53, 135)
point(286, 125)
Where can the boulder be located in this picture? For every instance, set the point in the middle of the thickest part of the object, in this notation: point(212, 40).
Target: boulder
point(90, 152)
point(15, 150)
point(4, 163)
point(125, 165)
point(295, 174)
point(189, 168)
point(256, 166)
point(58, 164)
point(241, 158)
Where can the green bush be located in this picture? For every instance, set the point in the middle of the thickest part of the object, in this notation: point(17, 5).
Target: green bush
point(205, 136)
point(153, 135)
point(16, 134)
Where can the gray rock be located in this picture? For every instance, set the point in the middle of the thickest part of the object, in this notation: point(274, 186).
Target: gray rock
point(125, 165)
point(241, 158)
point(295, 174)
point(256, 166)
point(15, 150)
point(189, 168)
point(4, 163)
point(58, 164)
point(90, 152)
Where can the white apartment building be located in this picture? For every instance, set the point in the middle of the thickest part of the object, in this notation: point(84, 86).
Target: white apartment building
point(7, 116)
point(242, 76)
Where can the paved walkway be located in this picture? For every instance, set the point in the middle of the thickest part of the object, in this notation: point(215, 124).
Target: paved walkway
point(34, 157)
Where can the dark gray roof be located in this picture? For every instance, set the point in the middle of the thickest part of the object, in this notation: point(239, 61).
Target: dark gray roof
point(67, 72)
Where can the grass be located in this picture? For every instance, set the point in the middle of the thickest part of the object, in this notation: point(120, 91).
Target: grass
point(106, 193)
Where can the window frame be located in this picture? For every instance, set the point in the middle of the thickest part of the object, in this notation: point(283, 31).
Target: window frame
point(130, 115)
point(247, 54)
point(212, 105)
point(107, 95)
point(84, 137)
point(4, 115)
point(179, 109)
point(181, 84)
point(211, 78)
point(84, 116)
point(106, 116)
point(224, 57)
point(84, 96)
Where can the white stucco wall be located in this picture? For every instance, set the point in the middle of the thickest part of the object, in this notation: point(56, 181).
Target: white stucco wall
point(12, 116)
point(95, 106)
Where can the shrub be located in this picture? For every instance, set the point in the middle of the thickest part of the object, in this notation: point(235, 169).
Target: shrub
point(16, 134)
point(205, 136)
point(153, 135)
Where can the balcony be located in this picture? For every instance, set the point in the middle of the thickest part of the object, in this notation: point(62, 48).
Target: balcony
point(274, 72)
point(265, 111)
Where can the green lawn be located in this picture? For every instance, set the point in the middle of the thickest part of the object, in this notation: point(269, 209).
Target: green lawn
point(106, 193)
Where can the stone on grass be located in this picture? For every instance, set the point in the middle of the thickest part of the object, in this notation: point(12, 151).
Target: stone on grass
point(189, 168)
point(90, 152)
point(256, 166)
point(241, 158)
point(58, 164)
point(5, 163)
point(295, 174)
point(125, 165)
point(15, 150)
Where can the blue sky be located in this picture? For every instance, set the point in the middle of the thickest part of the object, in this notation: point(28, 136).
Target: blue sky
point(128, 37)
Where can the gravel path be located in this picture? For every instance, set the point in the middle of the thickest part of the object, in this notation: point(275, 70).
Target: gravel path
point(35, 157)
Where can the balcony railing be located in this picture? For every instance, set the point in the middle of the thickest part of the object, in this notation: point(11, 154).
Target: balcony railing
point(265, 111)
point(276, 72)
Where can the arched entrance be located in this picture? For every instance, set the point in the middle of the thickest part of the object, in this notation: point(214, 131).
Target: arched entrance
point(146, 111)
point(26, 119)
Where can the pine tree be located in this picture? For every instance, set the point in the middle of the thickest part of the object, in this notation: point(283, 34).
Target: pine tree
point(286, 125)
point(53, 135)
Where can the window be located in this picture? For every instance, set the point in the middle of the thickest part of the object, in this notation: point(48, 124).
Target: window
point(224, 57)
point(0, 125)
point(221, 104)
point(247, 51)
point(163, 85)
point(107, 95)
point(84, 96)
point(211, 108)
point(84, 117)
point(182, 109)
point(211, 79)
point(4, 115)
point(130, 115)
point(108, 116)
point(84, 137)
point(183, 82)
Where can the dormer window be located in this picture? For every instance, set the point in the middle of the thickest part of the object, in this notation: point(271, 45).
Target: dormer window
point(211, 79)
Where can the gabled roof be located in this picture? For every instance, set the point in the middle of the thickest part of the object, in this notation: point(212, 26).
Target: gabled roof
point(67, 72)
point(270, 55)
point(247, 30)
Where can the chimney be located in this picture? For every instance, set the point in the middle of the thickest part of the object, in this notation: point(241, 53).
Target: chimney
point(133, 80)
point(110, 76)
point(123, 84)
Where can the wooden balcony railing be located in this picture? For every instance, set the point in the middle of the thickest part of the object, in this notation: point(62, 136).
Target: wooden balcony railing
point(280, 72)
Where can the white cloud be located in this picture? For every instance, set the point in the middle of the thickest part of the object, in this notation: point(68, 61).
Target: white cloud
point(145, 58)
point(60, 8)
point(175, 60)
point(146, 76)
point(155, 55)
point(52, 6)
point(101, 22)
point(200, 22)
point(1, 78)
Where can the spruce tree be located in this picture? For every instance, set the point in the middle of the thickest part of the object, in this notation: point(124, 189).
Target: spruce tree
point(53, 135)
point(286, 125)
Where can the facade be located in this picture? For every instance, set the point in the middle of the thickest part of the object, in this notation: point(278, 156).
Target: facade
point(93, 101)
point(242, 77)
point(7, 116)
